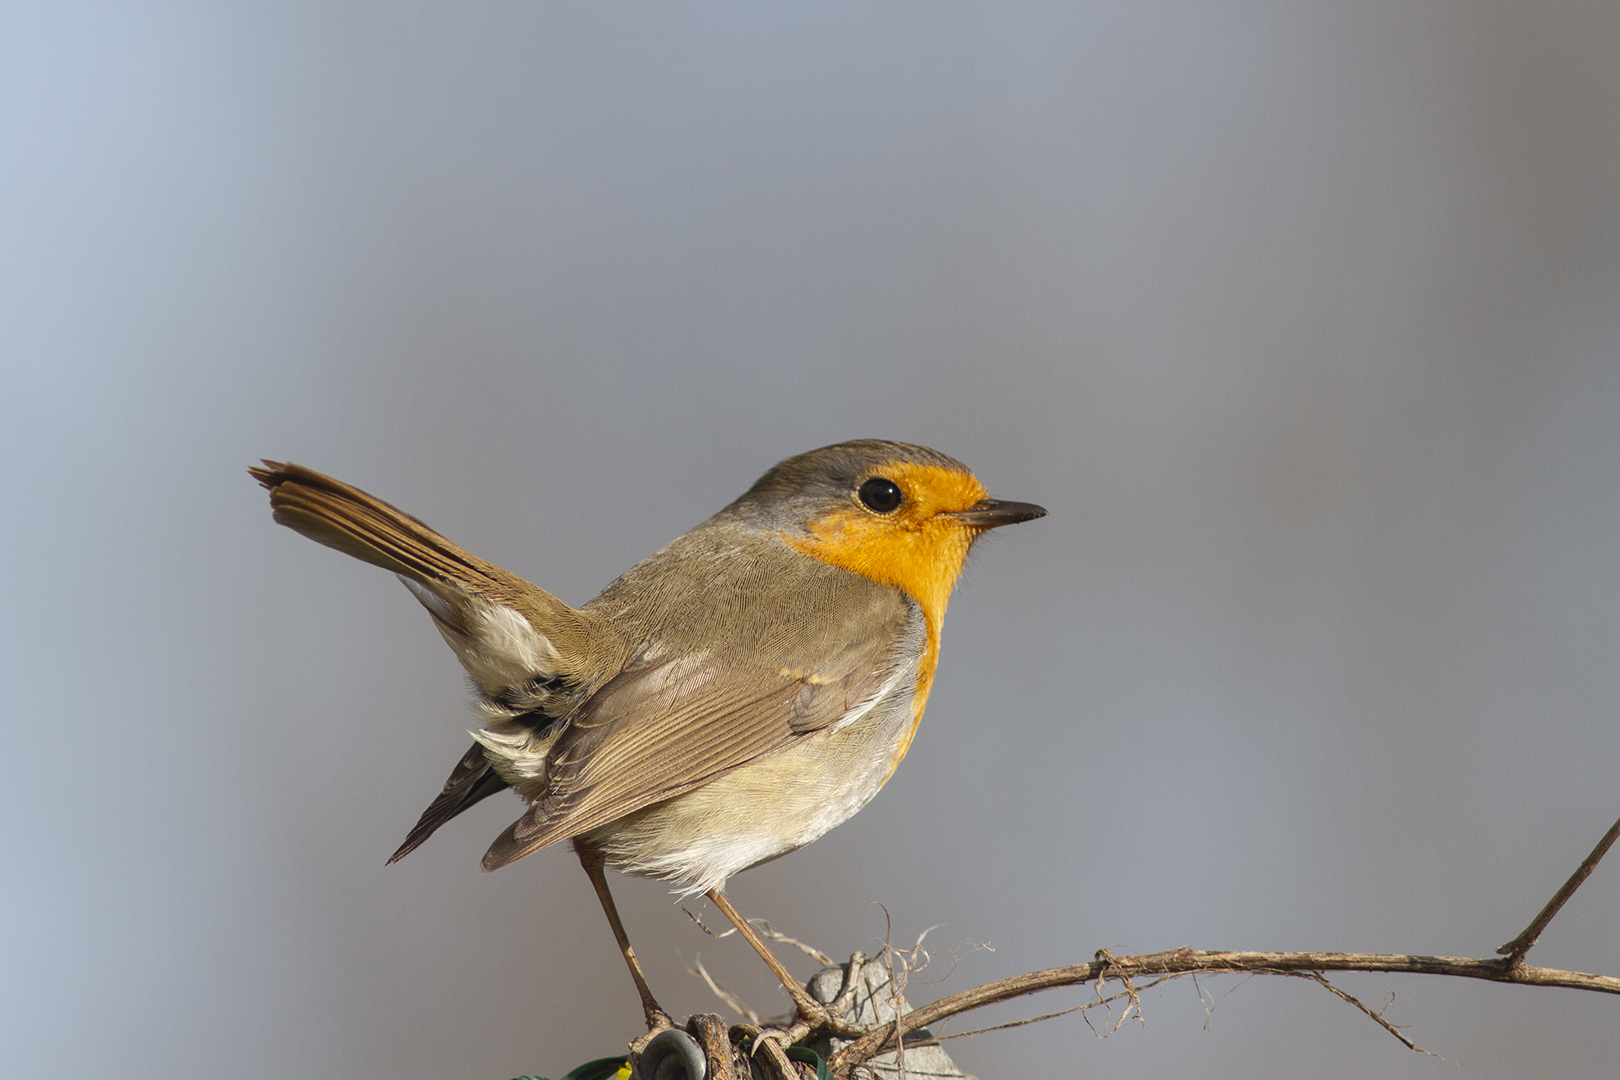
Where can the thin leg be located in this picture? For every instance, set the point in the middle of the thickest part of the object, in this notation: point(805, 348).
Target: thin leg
point(591, 860)
point(810, 1010)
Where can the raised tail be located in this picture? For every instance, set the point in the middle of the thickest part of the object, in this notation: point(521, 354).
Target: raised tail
point(507, 632)
point(521, 645)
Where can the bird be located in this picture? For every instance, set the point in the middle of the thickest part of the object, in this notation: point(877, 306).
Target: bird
point(727, 700)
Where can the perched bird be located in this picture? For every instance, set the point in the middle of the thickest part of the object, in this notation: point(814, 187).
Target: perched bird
point(727, 700)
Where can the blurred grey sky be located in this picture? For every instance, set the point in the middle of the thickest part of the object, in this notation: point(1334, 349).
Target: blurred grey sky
point(1302, 319)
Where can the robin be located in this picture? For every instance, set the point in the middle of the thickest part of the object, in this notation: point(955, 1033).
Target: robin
point(726, 701)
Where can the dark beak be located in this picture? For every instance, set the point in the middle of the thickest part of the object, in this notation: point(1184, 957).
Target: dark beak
point(988, 513)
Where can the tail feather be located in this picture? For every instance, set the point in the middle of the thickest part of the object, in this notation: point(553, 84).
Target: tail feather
point(505, 631)
point(356, 523)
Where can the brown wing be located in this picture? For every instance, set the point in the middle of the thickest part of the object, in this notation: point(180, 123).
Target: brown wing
point(472, 781)
point(658, 730)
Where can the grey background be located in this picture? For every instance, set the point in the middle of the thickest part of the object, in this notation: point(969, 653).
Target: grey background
point(1302, 319)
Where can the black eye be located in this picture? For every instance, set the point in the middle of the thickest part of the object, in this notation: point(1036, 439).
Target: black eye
point(881, 495)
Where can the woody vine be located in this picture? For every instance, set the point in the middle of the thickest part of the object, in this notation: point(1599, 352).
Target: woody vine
point(1128, 976)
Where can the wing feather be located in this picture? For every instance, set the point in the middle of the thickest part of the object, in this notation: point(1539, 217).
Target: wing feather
point(654, 732)
point(472, 781)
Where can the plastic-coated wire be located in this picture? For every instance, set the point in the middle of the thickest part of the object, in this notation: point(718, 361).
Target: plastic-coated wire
point(673, 1055)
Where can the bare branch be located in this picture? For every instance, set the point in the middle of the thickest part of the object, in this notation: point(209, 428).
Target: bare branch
point(766, 1048)
point(1189, 961)
point(844, 1003)
point(1138, 973)
point(1515, 949)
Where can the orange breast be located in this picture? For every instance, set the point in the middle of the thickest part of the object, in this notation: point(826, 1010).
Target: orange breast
point(912, 549)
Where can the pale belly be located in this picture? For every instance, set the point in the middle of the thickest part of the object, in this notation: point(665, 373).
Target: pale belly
point(764, 809)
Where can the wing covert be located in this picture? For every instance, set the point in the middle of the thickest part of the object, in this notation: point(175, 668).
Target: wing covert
point(658, 730)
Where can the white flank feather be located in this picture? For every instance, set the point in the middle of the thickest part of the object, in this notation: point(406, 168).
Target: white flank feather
point(498, 647)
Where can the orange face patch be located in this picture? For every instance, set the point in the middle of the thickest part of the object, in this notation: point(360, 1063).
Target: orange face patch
point(912, 548)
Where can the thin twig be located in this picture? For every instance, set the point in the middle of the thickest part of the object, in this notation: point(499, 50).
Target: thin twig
point(956, 957)
point(1054, 1015)
point(1106, 955)
point(1026, 1021)
point(703, 926)
point(1211, 1003)
point(776, 935)
point(1376, 1017)
point(1515, 949)
point(895, 1001)
point(736, 1003)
